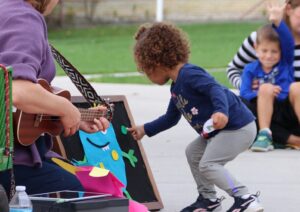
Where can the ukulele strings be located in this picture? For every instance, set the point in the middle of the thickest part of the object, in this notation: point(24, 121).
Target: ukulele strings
point(84, 115)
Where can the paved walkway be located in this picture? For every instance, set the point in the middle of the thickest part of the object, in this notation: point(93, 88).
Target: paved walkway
point(275, 174)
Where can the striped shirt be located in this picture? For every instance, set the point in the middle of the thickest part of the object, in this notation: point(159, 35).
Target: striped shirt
point(247, 54)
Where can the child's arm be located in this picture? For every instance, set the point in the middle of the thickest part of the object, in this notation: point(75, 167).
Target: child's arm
point(164, 122)
point(287, 43)
point(246, 90)
point(205, 84)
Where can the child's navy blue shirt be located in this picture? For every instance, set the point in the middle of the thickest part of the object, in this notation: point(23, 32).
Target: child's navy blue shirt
point(196, 95)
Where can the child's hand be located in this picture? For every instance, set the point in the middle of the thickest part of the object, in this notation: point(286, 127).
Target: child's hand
point(276, 12)
point(137, 132)
point(277, 90)
point(220, 120)
point(255, 84)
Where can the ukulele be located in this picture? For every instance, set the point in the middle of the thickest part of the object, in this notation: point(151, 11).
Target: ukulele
point(29, 127)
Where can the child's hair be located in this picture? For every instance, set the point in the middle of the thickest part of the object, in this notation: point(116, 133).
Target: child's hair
point(267, 33)
point(294, 4)
point(160, 45)
point(39, 5)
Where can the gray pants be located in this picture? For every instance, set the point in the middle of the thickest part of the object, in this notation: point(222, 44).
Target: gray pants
point(208, 157)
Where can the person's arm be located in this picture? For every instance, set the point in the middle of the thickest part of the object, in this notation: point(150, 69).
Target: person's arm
point(245, 55)
point(23, 49)
point(205, 84)
point(164, 122)
point(287, 43)
point(32, 98)
point(246, 87)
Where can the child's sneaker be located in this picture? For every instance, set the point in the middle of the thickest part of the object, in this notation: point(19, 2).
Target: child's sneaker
point(248, 204)
point(263, 142)
point(203, 205)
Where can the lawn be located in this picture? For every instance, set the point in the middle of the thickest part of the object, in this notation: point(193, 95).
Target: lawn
point(108, 48)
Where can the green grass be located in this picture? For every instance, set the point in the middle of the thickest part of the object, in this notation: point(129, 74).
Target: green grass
point(108, 49)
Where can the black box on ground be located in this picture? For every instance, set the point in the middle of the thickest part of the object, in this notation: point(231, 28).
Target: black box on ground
point(103, 204)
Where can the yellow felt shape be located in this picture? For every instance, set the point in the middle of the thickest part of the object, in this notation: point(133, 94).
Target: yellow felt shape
point(66, 166)
point(98, 172)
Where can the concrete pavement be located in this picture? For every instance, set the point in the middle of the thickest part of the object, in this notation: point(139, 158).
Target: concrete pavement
point(275, 174)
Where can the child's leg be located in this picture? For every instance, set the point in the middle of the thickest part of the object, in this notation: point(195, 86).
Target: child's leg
point(194, 153)
point(265, 101)
point(221, 149)
point(294, 97)
point(265, 108)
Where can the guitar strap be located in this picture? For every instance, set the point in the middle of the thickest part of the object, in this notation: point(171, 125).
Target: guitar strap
point(7, 154)
point(84, 87)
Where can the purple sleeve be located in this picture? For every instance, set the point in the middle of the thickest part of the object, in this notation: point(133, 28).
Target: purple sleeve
point(22, 45)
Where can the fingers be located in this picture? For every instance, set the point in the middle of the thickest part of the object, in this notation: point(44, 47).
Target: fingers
point(130, 129)
point(71, 131)
point(277, 90)
point(66, 132)
point(218, 124)
point(104, 122)
point(273, 3)
point(101, 124)
point(134, 133)
point(219, 120)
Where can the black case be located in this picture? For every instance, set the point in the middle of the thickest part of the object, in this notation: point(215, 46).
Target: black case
point(103, 204)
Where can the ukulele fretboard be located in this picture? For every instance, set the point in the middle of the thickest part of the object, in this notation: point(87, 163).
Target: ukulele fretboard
point(90, 115)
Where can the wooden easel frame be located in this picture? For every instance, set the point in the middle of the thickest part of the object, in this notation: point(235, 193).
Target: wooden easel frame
point(59, 148)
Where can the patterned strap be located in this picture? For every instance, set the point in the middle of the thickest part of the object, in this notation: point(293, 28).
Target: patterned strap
point(80, 82)
point(8, 152)
point(7, 107)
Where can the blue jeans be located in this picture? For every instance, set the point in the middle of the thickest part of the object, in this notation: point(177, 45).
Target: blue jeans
point(50, 177)
point(40, 180)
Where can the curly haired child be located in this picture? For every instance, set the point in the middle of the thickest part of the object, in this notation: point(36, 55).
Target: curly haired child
point(162, 51)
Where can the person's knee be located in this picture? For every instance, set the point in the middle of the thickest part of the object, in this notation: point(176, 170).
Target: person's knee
point(266, 89)
point(295, 89)
point(192, 156)
point(206, 169)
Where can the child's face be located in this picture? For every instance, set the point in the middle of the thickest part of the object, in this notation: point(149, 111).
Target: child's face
point(159, 77)
point(268, 54)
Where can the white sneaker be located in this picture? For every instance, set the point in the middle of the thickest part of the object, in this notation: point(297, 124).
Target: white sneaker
point(250, 204)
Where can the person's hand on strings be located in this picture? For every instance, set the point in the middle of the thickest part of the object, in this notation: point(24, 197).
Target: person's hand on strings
point(98, 124)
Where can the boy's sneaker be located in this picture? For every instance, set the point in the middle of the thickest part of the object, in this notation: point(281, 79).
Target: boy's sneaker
point(263, 142)
point(203, 205)
point(250, 204)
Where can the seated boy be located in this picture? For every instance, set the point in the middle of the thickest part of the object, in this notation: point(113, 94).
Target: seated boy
point(273, 71)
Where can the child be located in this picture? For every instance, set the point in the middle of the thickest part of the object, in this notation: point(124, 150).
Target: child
point(274, 72)
point(161, 52)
